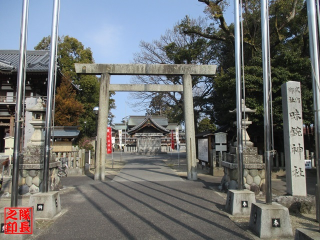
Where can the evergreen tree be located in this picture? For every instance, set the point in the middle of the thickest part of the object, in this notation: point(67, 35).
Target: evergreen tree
point(205, 125)
point(289, 60)
point(71, 51)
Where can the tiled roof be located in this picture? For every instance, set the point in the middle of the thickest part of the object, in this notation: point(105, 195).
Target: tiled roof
point(65, 132)
point(6, 66)
point(151, 120)
point(119, 126)
point(37, 60)
point(135, 120)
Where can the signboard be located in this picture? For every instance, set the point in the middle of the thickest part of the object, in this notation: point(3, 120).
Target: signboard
point(148, 134)
point(177, 138)
point(172, 140)
point(221, 148)
point(220, 137)
point(120, 137)
point(203, 150)
point(177, 134)
point(109, 140)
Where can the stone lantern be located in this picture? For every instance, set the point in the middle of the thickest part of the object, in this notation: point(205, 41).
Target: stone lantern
point(31, 166)
point(245, 124)
point(38, 123)
point(253, 173)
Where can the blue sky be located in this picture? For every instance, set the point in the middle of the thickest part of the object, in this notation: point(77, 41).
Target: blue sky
point(112, 29)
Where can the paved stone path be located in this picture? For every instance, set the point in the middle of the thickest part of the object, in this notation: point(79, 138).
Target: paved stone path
point(141, 170)
point(146, 200)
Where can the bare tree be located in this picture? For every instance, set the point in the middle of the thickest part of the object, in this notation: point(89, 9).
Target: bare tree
point(174, 47)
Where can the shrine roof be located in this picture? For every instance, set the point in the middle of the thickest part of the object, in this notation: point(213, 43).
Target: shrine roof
point(119, 126)
point(135, 120)
point(148, 121)
point(37, 60)
point(65, 132)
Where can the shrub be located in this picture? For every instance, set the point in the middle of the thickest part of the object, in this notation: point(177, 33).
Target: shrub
point(85, 143)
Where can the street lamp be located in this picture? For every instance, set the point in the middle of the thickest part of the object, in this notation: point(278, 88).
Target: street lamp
point(96, 111)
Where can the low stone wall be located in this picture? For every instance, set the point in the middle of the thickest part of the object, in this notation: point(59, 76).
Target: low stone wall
point(254, 180)
point(253, 177)
point(298, 204)
point(31, 178)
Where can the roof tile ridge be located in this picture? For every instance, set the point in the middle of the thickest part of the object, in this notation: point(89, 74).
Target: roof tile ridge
point(158, 125)
point(139, 125)
point(39, 61)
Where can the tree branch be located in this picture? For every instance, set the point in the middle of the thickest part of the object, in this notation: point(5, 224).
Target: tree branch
point(285, 23)
point(202, 34)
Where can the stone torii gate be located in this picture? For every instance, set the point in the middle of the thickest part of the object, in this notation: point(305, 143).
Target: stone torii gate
point(106, 70)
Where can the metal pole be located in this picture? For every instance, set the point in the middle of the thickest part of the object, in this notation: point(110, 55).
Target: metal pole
point(238, 94)
point(19, 102)
point(50, 91)
point(318, 16)
point(314, 57)
point(266, 92)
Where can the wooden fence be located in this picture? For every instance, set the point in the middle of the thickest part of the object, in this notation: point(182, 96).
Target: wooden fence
point(75, 159)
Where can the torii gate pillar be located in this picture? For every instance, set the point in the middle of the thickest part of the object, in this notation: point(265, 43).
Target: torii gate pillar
point(189, 125)
point(105, 70)
point(100, 161)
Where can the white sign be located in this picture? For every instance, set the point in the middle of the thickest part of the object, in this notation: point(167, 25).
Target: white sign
point(308, 164)
point(113, 140)
point(203, 149)
point(220, 137)
point(148, 134)
point(177, 134)
point(120, 137)
point(221, 148)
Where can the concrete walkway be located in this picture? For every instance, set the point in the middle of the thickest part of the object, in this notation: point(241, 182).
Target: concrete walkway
point(146, 200)
point(146, 169)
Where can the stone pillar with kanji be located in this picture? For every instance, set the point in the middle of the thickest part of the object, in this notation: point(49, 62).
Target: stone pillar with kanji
point(293, 138)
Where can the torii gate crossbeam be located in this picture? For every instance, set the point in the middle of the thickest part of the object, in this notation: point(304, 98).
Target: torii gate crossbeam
point(106, 70)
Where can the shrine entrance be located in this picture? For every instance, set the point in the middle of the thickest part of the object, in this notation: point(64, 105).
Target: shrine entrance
point(106, 70)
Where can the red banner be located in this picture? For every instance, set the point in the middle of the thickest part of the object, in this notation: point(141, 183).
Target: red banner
point(172, 140)
point(109, 142)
